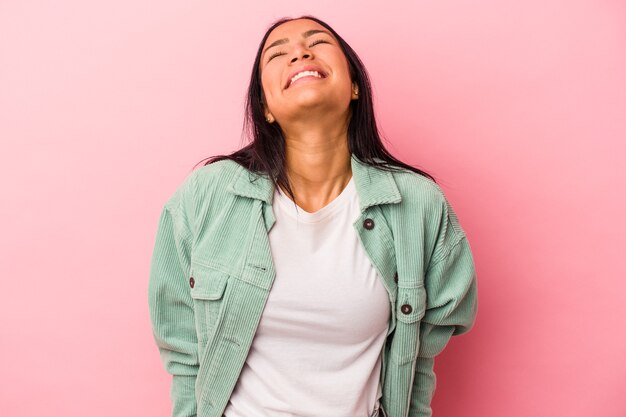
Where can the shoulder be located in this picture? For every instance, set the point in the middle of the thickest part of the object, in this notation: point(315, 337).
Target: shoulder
point(203, 182)
point(419, 190)
point(215, 171)
point(211, 176)
point(425, 200)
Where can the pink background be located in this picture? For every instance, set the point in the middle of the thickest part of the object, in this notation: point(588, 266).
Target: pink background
point(518, 108)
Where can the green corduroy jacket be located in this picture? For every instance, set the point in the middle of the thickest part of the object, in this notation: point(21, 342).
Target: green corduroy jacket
point(212, 271)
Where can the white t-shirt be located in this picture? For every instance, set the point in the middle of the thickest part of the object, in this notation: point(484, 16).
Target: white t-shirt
point(317, 350)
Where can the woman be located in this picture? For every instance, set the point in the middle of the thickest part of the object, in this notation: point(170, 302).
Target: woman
point(309, 273)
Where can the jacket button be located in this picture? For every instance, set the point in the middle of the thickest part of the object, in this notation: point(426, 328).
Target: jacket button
point(395, 277)
point(192, 282)
point(368, 224)
point(406, 308)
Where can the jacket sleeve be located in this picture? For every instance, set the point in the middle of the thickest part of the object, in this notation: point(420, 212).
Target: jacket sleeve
point(451, 309)
point(171, 306)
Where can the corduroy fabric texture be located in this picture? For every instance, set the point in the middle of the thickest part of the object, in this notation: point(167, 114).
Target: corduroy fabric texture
point(212, 270)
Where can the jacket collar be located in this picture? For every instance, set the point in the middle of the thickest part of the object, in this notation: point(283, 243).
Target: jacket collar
point(374, 186)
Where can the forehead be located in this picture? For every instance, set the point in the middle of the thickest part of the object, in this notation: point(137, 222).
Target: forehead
point(292, 29)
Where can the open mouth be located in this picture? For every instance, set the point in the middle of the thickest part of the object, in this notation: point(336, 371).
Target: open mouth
point(306, 73)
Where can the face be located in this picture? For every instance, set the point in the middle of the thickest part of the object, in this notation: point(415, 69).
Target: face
point(303, 68)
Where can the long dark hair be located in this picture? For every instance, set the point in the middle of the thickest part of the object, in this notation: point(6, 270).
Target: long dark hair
point(265, 154)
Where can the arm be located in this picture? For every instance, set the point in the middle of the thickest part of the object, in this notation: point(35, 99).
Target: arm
point(451, 307)
point(171, 306)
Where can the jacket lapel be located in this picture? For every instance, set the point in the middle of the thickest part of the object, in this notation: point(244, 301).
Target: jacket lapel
point(374, 186)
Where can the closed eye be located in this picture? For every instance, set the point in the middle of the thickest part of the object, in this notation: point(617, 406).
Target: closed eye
point(274, 55)
point(318, 41)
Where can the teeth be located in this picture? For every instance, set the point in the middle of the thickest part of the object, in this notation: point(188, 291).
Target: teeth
point(305, 74)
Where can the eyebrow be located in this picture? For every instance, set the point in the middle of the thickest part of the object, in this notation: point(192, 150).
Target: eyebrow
point(304, 35)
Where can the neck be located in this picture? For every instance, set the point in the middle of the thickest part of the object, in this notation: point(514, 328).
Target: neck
point(317, 161)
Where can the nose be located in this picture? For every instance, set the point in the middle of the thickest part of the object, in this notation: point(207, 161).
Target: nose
point(295, 58)
point(301, 52)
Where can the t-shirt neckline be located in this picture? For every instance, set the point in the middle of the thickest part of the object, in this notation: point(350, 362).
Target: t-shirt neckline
point(304, 216)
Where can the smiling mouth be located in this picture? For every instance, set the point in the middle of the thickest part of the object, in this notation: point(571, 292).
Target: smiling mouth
point(304, 74)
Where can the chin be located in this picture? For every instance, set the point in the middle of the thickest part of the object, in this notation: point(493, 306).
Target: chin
point(312, 99)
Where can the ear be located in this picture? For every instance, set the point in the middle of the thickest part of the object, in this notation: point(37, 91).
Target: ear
point(269, 117)
point(355, 91)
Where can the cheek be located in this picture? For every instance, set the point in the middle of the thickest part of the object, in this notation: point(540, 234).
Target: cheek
point(267, 85)
point(345, 82)
point(343, 72)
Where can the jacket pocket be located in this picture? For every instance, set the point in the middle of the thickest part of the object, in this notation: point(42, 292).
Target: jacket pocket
point(410, 309)
point(209, 286)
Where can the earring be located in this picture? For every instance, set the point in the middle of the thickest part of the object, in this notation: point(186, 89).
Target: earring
point(269, 119)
